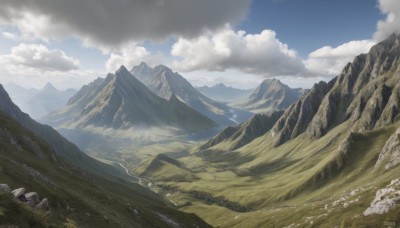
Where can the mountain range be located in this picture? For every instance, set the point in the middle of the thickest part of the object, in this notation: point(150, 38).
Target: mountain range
point(164, 82)
point(330, 158)
point(120, 101)
point(223, 93)
point(39, 103)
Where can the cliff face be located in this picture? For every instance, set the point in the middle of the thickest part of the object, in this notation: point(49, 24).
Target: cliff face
point(366, 92)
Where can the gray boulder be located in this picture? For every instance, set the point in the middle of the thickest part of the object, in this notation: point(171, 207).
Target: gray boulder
point(43, 205)
point(385, 199)
point(32, 196)
point(19, 192)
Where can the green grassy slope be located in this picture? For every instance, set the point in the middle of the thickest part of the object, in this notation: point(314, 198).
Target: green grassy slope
point(76, 198)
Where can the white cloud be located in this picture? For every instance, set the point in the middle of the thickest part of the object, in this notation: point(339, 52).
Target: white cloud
point(261, 54)
point(10, 36)
point(131, 56)
point(392, 22)
point(111, 24)
point(31, 58)
point(331, 60)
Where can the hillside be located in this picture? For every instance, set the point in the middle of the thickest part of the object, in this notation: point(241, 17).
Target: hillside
point(164, 82)
point(76, 196)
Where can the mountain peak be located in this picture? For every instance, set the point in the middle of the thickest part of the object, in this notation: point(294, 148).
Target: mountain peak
point(122, 70)
point(49, 87)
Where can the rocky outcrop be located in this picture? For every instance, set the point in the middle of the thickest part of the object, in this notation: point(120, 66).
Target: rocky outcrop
point(390, 154)
point(31, 198)
point(385, 199)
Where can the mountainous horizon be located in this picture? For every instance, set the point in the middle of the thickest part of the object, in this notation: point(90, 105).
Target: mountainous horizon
point(164, 82)
point(223, 93)
point(197, 114)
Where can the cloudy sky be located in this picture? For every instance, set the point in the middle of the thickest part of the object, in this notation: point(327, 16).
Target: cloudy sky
point(237, 42)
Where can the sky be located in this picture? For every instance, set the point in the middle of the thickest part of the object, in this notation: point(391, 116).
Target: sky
point(238, 42)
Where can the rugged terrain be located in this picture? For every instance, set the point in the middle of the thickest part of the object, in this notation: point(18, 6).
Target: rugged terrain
point(330, 159)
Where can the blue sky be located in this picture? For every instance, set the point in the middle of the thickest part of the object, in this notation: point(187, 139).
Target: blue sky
point(238, 42)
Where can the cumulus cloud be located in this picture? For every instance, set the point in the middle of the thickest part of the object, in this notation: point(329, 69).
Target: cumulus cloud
point(261, 54)
point(331, 60)
point(131, 56)
point(111, 24)
point(392, 22)
point(31, 58)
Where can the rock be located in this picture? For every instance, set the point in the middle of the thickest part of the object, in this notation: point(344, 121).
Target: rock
point(18, 192)
point(390, 153)
point(43, 205)
point(5, 187)
point(32, 196)
point(385, 199)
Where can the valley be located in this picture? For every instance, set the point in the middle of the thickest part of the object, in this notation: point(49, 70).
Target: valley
point(197, 114)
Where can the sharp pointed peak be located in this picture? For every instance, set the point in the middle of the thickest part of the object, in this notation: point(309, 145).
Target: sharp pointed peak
point(49, 86)
point(122, 69)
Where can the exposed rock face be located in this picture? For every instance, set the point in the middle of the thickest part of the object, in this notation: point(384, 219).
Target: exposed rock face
point(372, 78)
point(120, 102)
point(246, 132)
point(32, 196)
point(390, 154)
point(43, 205)
point(367, 92)
point(164, 82)
point(385, 199)
point(298, 116)
point(271, 95)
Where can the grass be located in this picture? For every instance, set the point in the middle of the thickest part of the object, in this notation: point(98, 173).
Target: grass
point(289, 184)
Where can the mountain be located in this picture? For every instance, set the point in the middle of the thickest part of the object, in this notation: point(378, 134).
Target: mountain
point(83, 194)
point(38, 103)
point(164, 82)
point(120, 101)
point(223, 93)
point(271, 95)
point(331, 158)
point(236, 137)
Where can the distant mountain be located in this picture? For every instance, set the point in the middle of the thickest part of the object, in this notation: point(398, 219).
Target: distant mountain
point(79, 190)
point(223, 93)
point(271, 95)
point(164, 82)
point(120, 101)
point(38, 103)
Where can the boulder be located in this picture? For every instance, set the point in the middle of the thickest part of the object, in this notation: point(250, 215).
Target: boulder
point(19, 192)
point(32, 196)
point(5, 187)
point(385, 199)
point(43, 205)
